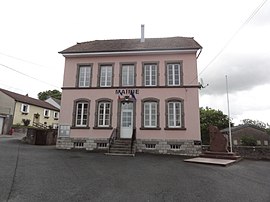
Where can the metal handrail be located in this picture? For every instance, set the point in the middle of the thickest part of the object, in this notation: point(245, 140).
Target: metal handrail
point(112, 138)
point(132, 140)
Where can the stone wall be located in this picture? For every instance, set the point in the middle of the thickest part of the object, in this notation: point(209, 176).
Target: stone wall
point(82, 143)
point(249, 152)
point(175, 147)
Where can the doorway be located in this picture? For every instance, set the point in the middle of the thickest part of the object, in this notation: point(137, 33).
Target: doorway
point(126, 124)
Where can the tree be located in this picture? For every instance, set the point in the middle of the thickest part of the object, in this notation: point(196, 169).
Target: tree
point(248, 140)
point(49, 93)
point(214, 117)
point(258, 124)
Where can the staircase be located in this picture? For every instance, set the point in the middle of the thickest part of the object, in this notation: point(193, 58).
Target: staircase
point(121, 147)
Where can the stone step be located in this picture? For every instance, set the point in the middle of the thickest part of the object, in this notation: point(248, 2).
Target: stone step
point(219, 156)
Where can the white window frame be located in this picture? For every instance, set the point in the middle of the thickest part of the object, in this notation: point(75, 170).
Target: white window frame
point(148, 74)
point(172, 78)
point(174, 114)
point(27, 108)
point(46, 113)
point(148, 115)
point(105, 80)
point(84, 78)
point(81, 119)
point(102, 115)
point(128, 79)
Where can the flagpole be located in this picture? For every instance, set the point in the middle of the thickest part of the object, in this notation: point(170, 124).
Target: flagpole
point(228, 104)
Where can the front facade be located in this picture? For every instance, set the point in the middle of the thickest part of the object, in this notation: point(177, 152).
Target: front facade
point(19, 110)
point(143, 90)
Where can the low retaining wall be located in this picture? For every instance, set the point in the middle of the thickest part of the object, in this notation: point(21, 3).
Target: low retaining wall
point(41, 136)
point(249, 152)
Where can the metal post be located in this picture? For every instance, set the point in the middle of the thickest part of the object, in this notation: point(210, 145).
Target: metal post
point(228, 103)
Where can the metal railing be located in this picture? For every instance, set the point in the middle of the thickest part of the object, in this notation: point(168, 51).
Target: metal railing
point(40, 125)
point(133, 138)
point(112, 138)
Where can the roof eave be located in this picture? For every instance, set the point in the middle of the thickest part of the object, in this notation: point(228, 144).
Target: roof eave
point(135, 52)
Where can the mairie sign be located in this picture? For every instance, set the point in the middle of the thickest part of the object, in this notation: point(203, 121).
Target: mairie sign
point(127, 91)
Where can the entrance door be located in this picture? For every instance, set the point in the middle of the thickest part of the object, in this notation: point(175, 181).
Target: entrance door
point(1, 124)
point(126, 126)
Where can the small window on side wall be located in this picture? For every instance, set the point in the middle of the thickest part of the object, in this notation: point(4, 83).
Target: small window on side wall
point(46, 113)
point(25, 108)
point(56, 115)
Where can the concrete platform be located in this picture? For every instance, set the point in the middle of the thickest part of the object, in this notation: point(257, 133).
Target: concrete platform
point(212, 161)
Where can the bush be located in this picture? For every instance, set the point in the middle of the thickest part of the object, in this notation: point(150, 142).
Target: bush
point(26, 122)
point(248, 141)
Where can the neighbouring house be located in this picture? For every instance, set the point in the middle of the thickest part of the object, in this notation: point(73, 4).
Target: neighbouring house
point(246, 130)
point(138, 92)
point(54, 102)
point(17, 109)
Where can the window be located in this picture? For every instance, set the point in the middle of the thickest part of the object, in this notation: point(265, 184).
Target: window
point(46, 113)
point(235, 142)
point(128, 75)
point(55, 115)
point(78, 145)
point(103, 114)
point(150, 114)
point(174, 75)
point(150, 75)
point(175, 113)
point(175, 146)
point(265, 142)
point(101, 145)
point(25, 108)
point(81, 113)
point(84, 79)
point(105, 76)
point(259, 142)
point(150, 146)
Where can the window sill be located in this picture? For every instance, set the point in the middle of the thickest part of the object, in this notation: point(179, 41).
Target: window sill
point(103, 128)
point(145, 128)
point(24, 113)
point(55, 118)
point(79, 127)
point(174, 128)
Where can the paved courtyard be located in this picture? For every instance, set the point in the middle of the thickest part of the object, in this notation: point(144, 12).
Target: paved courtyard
point(42, 173)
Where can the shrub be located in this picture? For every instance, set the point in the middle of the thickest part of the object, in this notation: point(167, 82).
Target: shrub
point(26, 122)
point(248, 141)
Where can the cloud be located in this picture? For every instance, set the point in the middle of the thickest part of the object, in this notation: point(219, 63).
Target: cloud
point(244, 73)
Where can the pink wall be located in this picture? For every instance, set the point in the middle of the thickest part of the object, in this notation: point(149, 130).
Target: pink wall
point(189, 95)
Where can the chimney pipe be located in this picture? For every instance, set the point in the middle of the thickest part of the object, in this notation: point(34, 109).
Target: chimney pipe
point(142, 33)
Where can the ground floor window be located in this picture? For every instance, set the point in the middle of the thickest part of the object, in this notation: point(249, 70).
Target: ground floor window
point(174, 113)
point(81, 113)
point(104, 113)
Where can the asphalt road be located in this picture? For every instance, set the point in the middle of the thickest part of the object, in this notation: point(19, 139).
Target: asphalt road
point(42, 173)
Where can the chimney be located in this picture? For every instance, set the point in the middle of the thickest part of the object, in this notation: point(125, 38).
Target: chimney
point(142, 33)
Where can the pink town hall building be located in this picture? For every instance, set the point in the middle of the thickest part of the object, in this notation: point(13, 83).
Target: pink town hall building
point(131, 95)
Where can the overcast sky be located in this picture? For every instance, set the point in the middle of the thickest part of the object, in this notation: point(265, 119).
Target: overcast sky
point(234, 36)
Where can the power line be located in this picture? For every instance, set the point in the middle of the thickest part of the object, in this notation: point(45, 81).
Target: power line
point(12, 69)
point(256, 10)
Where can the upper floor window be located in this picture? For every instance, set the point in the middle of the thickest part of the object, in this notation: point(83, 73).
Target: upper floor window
point(81, 113)
point(25, 108)
point(46, 113)
point(174, 76)
point(150, 74)
point(105, 76)
point(84, 73)
point(56, 115)
point(175, 113)
point(128, 75)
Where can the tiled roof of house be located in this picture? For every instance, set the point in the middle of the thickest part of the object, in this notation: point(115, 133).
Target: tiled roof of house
point(239, 127)
point(28, 100)
point(150, 44)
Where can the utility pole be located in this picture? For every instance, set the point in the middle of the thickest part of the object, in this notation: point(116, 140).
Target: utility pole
point(228, 104)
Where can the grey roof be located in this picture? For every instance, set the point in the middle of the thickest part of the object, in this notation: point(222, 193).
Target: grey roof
point(56, 100)
point(125, 45)
point(28, 100)
point(235, 128)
